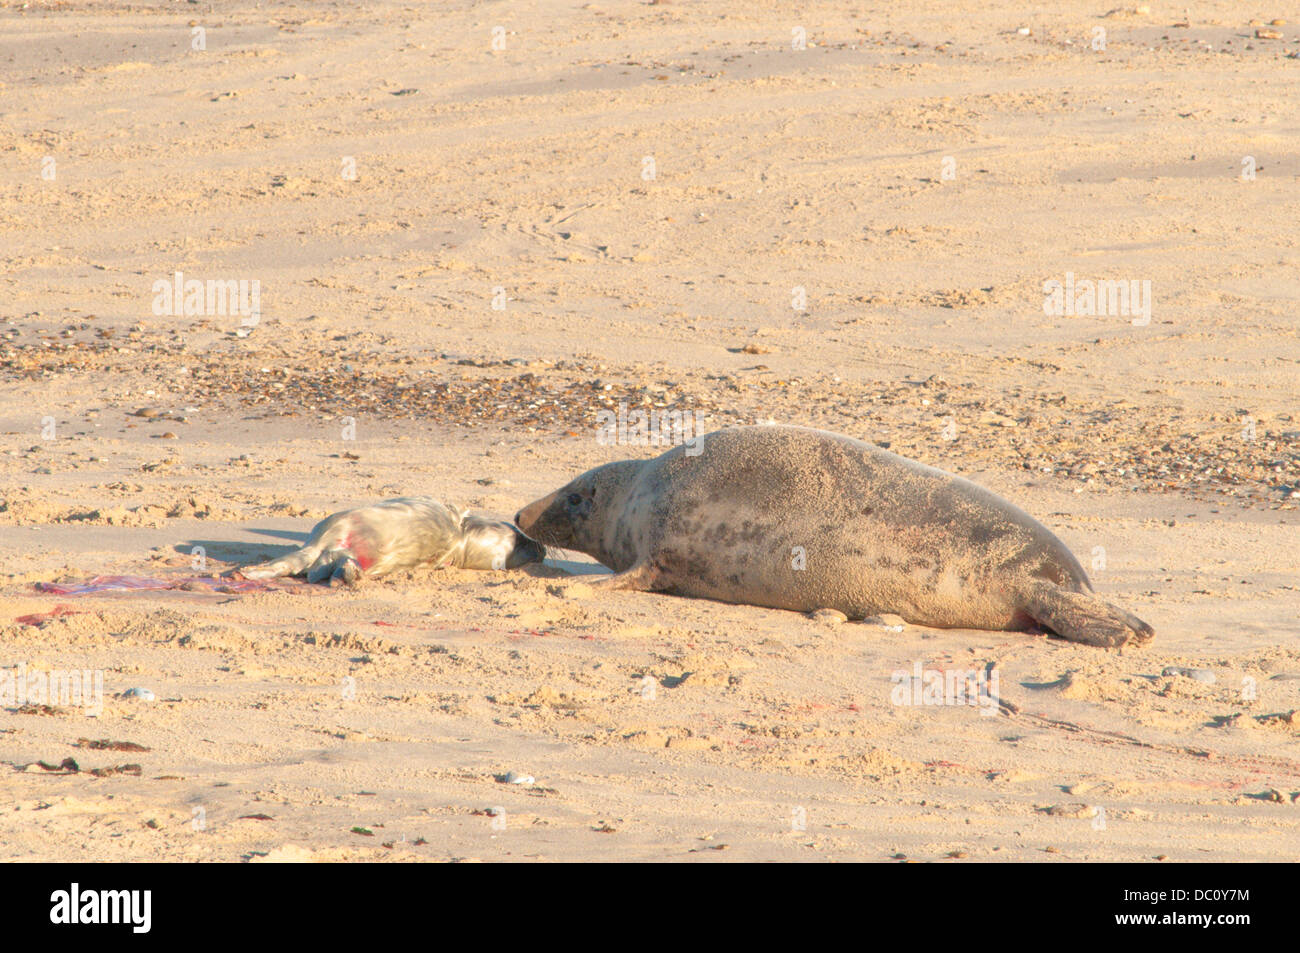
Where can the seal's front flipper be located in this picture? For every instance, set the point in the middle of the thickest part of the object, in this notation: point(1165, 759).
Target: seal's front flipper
point(347, 571)
point(1081, 617)
point(328, 565)
point(643, 577)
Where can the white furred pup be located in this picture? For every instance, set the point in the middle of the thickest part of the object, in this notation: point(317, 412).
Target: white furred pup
point(397, 534)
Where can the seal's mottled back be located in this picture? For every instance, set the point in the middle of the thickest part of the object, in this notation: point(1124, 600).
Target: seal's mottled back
point(803, 519)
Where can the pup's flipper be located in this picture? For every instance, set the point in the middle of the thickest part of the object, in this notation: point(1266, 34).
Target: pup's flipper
point(289, 565)
point(347, 571)
point(335, 566)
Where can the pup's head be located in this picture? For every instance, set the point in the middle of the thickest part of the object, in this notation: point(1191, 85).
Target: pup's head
point(575, 516)
point(493, 544)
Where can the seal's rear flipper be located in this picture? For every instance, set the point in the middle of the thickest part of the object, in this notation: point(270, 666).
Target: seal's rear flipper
point(290, 565)
point(1081, 617)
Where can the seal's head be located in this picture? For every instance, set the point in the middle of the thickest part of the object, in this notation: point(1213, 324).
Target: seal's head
point(492, 544)
point(575, 515)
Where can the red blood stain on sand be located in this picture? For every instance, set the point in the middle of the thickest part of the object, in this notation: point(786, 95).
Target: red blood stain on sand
point(38, 619)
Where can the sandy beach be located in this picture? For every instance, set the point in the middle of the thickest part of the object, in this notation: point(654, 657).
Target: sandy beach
point(463, 230)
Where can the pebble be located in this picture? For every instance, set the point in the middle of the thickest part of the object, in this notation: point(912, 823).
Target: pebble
point(828, 616)
point(993, 419)
point(1198, 674)
point(888, 621)
point(514, 777)
point(144, 694)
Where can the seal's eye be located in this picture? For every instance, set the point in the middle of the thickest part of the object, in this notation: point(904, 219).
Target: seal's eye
point(574, 499)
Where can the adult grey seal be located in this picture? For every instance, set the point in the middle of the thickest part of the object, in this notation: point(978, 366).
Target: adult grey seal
point(400, 534)
point(802, 519)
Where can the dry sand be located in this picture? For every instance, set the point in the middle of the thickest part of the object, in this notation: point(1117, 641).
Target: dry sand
point(315, 723)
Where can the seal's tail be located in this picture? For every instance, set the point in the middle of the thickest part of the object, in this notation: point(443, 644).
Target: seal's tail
point(1082, 617)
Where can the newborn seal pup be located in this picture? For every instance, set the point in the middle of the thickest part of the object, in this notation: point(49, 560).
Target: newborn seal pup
point(802, 519)
point(401, 534)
